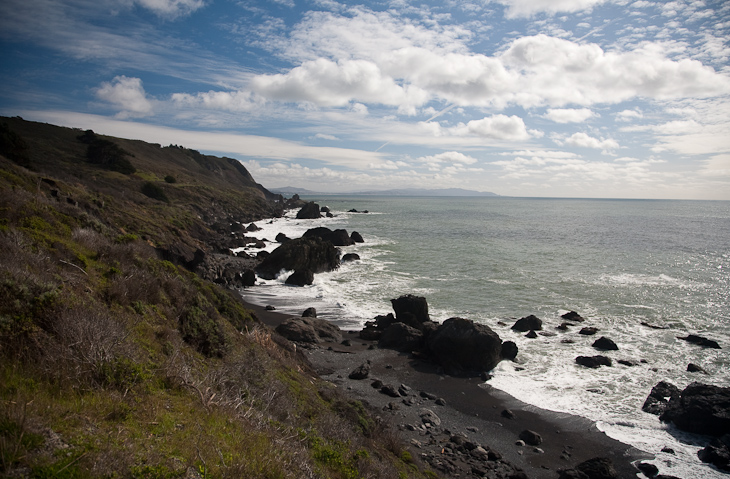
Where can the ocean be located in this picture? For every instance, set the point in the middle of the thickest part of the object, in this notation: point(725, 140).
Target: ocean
point(618, 263)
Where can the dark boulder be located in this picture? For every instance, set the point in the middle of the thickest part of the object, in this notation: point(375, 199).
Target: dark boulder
point(605, 344)
point(299, 254)
point(598, 468)
point(528, 323)
point(648, 469)
point(309, 313)
point(309, 330)
point(350, 257)
point(336, 237)
point(658, 399)
point(252, 227)
point(401, 337)
point(700, 341)
point(301, 277)
point(532, 334)
point(531, 437)
point(701, 409)
point(360, 372)
point(309, 211)
point(593, 361)
point(324, 209)
point(356, 237)
point(693, 368)
point(246, 278)
point(509, 350)
point(410, 304)
point(572, 316)
point(718, 455)
point(282, 238)
point(463, 345)
point(589, 331)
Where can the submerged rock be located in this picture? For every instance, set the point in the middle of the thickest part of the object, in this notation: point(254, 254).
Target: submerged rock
point(700, 341)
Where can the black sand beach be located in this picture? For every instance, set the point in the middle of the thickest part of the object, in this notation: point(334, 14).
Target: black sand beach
point(465, 407)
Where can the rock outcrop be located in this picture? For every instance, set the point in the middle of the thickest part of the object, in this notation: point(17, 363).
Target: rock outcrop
point(336, 237)
point(701, 409)
point(309, 330)
point(300, 254)
point(309, 211)
point(528, 323)
point(658, 399)
point(460, 344)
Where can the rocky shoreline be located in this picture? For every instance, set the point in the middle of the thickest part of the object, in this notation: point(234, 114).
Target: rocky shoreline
point(428, 380)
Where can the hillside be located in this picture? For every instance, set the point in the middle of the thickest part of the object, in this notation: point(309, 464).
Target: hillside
point(117, 360)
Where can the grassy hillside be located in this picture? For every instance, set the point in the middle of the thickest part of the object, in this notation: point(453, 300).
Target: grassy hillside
point(117, 363)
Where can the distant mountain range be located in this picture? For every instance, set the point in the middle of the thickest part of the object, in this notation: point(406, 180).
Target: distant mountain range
point(291, 190)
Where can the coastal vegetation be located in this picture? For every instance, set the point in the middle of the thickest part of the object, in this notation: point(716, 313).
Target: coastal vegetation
point(117, 360)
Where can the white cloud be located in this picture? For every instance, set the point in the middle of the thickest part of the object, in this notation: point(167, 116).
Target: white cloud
point(172, 8)
point(127, 94)
point(448, 157)
point(629, 115)
point(567, 115)
point(528, 8)
point(324, 136)
point(498, 127)
point(583, 140)
point(235, 101)
point(327, 83)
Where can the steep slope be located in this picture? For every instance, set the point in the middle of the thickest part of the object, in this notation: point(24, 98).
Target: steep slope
point(117, 363)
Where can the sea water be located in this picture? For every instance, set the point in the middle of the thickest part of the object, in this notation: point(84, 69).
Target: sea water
point(618, 263)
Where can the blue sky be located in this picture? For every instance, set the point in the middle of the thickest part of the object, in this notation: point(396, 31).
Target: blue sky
point(562, 98)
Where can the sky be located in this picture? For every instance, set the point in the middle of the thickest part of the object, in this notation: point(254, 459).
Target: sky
point(536, 98)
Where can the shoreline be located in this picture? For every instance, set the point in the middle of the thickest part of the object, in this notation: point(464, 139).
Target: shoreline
point(470, 408)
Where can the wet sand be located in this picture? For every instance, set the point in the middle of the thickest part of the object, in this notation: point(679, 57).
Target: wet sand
point(465, 406)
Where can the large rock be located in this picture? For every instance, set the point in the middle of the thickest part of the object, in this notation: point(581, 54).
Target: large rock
point(700, 341)
point(701, 409)
point(309, 330)
point(357, 237)
point(336, 237)
point(658, 399)
point(301, 277)
point(598, 468)
point(300, 254)
point(605, 344)
point(528, 323)
point(309, 211)
point(413, 305)
point(594, 362)
point(462, 345)
point(717, 455)
point(401, 337)
point(572, 316)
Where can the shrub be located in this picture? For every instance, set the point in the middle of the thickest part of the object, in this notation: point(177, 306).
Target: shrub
point(170, 179)
point(199, 327)
point(110, 156)
point(154, 191)
point(13, 146)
